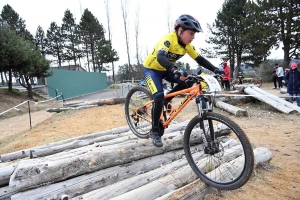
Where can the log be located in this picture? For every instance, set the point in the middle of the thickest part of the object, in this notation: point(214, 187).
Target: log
point(166, 184)
point(78, 106)
point(102, 140)
point(6, 192)
point(269, 101)
point(197, 189)
point(283, 90)
point(5, 173)
point(26, 152)
point(232, 109)
point(277, 99)
point(89, 182)
point(32, 173)
point(129, 184)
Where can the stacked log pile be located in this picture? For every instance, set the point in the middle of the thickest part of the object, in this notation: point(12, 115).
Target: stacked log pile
point(108, 164)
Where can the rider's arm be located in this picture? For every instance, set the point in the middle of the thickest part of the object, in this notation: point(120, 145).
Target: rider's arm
point(164, 61)
point(205, 63)
point(199, 59)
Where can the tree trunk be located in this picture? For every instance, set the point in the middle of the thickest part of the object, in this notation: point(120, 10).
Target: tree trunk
point(26, 152)
point(172, 181)
point(2, 79)
point(197, 189)
point(232, 109)
point(28, 173)
point(146, 179)
point(277, 99)
point(29, 87)
point(10, 80)
point(102, 178)
point(267, 100)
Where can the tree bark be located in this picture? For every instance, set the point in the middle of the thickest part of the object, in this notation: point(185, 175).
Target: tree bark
point(31, 173)
point(232, 109)
point(141, 180)
point(277, 99)
point(77, 106)
point(197, 189)
point(99, 179)
point(269, 101)
point(26, 152)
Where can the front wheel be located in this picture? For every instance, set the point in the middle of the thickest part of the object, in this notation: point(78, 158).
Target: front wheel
point(138, 108)
point(224, 157)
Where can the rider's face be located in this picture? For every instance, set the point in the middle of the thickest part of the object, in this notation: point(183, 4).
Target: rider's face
point(187, 36)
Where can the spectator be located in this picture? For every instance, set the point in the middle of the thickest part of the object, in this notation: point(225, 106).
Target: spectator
point(275, 76)
point(226, 77)
point(292, 78)
point(280, 75)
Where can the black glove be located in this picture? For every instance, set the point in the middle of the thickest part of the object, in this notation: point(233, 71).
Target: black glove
point(173, 69)
point(219, 72)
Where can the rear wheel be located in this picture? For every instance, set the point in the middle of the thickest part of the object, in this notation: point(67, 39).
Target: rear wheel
point(138, 111)
point(227, 161)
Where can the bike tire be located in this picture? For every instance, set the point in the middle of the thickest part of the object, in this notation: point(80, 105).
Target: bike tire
point(210, 168)
point(139, 122)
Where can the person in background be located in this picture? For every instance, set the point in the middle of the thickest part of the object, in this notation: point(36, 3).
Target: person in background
point(292, 79)
point(280, 75)
point(275, 76)
point(226, 77)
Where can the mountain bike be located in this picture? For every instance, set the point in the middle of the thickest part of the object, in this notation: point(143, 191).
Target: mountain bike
point(216, 148)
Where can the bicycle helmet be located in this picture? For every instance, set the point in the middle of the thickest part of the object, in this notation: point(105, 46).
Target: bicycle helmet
point(188, 22)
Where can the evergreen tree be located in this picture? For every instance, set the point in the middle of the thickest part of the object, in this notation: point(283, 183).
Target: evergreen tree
point(284, 15)
point(93, 33)
point(106, 54)
point(72, 38)
point(11, 18)
point(55, 43)
point(40, 40)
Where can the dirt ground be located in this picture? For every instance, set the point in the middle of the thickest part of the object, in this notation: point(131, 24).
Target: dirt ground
point(266, 127)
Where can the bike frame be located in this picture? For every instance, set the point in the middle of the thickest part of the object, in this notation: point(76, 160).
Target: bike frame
point(192, 93)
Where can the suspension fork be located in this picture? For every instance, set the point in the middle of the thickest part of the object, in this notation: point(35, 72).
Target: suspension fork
point(201, 111)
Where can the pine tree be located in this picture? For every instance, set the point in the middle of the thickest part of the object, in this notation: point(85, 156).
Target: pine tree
point(40, 40)
point(11, 18)
point(93, 33)
point(72, 38)
point(55, 43)
point(284, 17)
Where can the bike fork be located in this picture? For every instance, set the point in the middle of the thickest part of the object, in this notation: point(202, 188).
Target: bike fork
point(199, 102)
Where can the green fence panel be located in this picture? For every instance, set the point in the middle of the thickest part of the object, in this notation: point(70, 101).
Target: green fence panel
point(76, 83)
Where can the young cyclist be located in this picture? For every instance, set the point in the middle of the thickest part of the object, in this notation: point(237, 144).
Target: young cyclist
point(161, 64)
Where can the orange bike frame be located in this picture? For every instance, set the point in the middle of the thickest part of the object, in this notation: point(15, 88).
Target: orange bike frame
point(192, 93)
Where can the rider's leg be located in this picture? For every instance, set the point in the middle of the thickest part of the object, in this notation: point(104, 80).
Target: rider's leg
point(154, 81)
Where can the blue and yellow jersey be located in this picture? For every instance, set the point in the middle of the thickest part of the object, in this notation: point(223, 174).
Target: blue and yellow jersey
point(173, 50)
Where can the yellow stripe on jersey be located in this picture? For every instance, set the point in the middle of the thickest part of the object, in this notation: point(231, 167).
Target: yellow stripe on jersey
point(173, 50)
point(150, 84)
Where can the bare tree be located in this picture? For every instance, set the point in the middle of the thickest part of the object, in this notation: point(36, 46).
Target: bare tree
point(139, 67)
point(124, 8)
point(169, 17)
point(106, 2)
point(137, 32)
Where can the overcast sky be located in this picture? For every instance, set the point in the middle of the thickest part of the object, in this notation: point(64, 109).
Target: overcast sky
point(153, 20)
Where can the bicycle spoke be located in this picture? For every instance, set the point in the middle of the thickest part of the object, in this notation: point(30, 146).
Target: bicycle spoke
point(224, 161)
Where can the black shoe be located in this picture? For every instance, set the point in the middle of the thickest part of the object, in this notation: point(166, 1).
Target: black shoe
point(168, 107)
point(156, 139)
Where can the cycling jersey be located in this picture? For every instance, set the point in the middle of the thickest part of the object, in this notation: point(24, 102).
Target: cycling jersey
point(172, 49)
